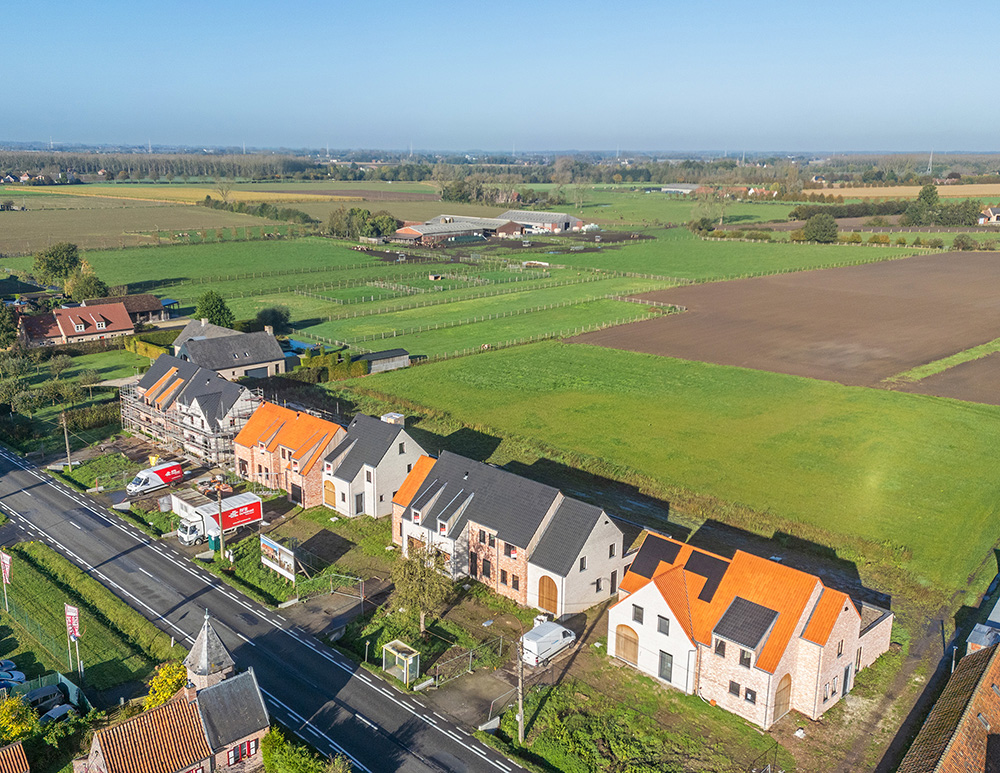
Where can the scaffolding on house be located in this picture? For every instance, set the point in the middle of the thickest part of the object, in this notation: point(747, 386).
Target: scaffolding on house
point(185, 431)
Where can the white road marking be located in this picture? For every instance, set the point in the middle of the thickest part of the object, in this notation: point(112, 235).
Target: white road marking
point(360, 718)
point(74, 523)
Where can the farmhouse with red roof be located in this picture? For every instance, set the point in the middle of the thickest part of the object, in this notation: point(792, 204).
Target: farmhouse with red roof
point(753, 636)
point(64, 326)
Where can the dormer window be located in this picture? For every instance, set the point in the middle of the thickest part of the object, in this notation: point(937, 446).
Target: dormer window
point(79, 328)
point(442, 527)
point(416, 518)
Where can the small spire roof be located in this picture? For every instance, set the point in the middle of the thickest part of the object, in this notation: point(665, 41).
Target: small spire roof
point(208, 654)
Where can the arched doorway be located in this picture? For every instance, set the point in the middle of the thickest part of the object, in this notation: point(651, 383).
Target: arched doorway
point(783, 697)
point(548, 595)
point(627, 644)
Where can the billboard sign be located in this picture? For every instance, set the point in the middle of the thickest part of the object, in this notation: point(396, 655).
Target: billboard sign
point(5, 565)
point(277, 557)
point(72, 622)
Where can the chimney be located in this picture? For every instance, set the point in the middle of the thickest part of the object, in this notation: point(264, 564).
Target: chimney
point(269, 330)
point(189, 692)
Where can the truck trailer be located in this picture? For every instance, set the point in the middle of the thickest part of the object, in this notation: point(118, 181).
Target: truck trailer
point(200, 515)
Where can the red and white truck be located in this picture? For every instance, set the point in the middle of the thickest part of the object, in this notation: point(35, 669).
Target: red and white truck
point(200, 515)
point(155, 477)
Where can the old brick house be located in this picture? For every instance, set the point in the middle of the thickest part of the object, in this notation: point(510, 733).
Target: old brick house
point(215, 723)
point(754, 636)
point(524, 540)
point(962, 732)
point(65, 326)
point(284, 449)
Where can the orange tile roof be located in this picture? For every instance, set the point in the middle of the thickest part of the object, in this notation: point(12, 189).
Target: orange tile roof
point(768, 583)
point(162, 740)
point(12, 759)
point(413, 481)
point(825, 615)
point(307, 436)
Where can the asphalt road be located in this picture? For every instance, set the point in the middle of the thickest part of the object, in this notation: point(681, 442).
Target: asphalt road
point(326, 698)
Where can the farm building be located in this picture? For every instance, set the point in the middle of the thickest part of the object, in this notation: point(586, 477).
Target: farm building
point(284, 449)
point(524, 540)
point(189, 408)
point(990, 215)
point(756, 637)
point(444, 228)
point(63, 326)
point(389, 359)
point(683, 189)
point(543, 222)
point(141, 308)
point(230, 353)
point(216, 722)
point(363, 473)
point(958, 736)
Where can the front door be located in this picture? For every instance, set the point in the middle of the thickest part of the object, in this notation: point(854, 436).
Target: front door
point(359, 504)
point(296, 494)
point(614, 582)
point(627, 644)
point(847, 679)
point(783, 697)
point(473, 564)
point(548, 595)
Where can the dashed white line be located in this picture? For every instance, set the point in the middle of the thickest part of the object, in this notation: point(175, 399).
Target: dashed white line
point(74, 523)
point(360, 718)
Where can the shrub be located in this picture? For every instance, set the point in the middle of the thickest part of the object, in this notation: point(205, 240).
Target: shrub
point(879, 239)
point(169, 678)
point(901, 241)
point(918, 242)
point(936, 243)
point(798, 236)
point(964, 242)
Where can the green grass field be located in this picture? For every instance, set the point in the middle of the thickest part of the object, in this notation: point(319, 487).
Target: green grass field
point(679, 253)
point(842, 462)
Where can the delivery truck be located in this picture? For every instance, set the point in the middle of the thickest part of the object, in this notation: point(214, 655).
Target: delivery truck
point(545, 641)
point(155, 477)
point(200, 515)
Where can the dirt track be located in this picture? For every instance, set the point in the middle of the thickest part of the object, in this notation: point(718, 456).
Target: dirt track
point(856, 325)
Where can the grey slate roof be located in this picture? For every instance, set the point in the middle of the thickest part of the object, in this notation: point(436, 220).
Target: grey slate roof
point(368, 439)
point(232, 710)
point(235, 351)
point(202, 389)
point(195, 329)
point(565, 536)
point(507, 503)
point(208, 654)
point(385, 354)
point(745, 623)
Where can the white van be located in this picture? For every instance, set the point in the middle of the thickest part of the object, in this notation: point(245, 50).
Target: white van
point(544, 642)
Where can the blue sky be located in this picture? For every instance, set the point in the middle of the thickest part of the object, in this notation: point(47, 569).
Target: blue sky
point(539, 75)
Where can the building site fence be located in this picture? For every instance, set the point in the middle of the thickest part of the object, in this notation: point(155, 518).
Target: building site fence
point(489, 654)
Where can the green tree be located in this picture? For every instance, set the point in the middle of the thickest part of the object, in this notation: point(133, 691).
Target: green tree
point(928, 196)
point(964, 242)
point(212, 306)
point(821, 228)
point(53, 265)
point(421, 587)
point(89, 379)
point(8, 326)
point(26, 402)
point(168, 679)
point(81, 285)
point(58, 364)
point(276, 316)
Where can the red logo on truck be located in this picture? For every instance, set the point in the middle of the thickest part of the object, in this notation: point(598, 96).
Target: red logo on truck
point(168, 473)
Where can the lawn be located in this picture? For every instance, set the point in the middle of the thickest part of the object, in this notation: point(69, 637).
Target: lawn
point(679, 253)
point(108, 470)
point(880, 476)
point(117, 644)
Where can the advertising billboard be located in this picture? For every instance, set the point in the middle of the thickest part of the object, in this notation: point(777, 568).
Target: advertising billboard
point(277, 557)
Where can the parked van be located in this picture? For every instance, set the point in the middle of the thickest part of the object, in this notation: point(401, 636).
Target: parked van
point(544, 642)
point(154, 478)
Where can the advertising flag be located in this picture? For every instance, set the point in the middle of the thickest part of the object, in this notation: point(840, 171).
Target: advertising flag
point(72, 622)
point(5, 565)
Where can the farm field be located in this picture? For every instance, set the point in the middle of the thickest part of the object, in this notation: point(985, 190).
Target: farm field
point(108, 227)
point(831, 463)
point(856, 325)
point(468, 333)
point(973, 380)
point(676, 252)
point(169, 193)
point(972, 191)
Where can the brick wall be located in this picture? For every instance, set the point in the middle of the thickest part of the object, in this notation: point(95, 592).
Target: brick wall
point(499, 562)
point(717, 672)
point(397, 524)
point(968, 750)
point(247, 765)
point(875, 641)
point(844, 640)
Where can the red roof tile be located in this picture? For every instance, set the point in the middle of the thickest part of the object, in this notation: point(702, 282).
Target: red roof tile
point(307, 436)
point(12, 759)
point(413, 481)
point(162, 740)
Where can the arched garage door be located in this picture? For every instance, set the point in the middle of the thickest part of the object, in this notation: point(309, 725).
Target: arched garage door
point(783, 697)
point(627, 644)
point(548, 596)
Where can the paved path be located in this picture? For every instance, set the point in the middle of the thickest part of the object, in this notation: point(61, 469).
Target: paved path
point(324, 697)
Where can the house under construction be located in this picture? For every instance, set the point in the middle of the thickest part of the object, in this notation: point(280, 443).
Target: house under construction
point(189, 409)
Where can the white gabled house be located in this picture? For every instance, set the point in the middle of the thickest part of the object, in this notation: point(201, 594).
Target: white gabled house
point(366, 469)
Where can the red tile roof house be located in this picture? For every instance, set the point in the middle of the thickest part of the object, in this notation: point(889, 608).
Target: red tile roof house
point(962, 732)
point(284, 449)
point(753, 636)
point(524, 540)
point(12, 759)
point(215, 723)
point(64, 326)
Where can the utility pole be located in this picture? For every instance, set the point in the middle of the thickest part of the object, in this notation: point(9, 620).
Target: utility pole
point(520, 690)
point(69, 461)
point(222, 534)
